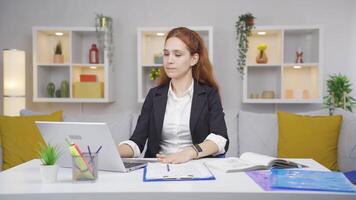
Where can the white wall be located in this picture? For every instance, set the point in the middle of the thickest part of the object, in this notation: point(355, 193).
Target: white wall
point(18, 17)
point(351, 70)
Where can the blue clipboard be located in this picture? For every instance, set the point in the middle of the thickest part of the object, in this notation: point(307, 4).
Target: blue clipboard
point(185, 178)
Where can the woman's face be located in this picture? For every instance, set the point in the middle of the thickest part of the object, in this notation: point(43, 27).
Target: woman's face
point(177, 60)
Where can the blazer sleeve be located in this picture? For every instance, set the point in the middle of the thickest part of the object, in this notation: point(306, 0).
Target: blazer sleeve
point(140, 133)
point(217, 117)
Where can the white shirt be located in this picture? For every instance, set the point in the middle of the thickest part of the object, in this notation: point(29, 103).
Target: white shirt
point(176, 125)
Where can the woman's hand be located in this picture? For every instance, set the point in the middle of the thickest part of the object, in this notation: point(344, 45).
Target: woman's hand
point(183, 156)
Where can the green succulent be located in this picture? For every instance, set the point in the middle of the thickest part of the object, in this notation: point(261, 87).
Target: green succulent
point(339, 88)
point(155, 73)
point(58, 49)
point(49, 154)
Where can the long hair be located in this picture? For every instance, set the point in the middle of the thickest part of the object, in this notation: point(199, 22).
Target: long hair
point(203, 70)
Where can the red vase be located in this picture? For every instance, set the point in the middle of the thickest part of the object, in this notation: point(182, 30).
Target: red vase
point(93, 54)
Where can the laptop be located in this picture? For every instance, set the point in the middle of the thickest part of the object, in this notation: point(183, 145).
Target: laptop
point(84, 134)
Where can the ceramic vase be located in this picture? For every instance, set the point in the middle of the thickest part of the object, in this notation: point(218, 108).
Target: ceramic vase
point(49, 173)
point(261, 58)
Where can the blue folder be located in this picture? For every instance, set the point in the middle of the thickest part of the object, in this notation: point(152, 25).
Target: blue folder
point(311, 180)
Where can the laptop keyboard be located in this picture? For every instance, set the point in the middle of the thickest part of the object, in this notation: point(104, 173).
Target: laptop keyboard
point(131, 164)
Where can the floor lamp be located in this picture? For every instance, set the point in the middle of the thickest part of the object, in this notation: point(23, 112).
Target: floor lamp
point(14, 76)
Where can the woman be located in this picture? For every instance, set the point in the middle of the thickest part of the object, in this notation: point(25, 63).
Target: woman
point(181, 119)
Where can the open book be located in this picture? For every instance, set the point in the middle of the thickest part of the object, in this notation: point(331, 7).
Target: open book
point(251, 161)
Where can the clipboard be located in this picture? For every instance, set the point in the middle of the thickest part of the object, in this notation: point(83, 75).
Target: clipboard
point(168, 172)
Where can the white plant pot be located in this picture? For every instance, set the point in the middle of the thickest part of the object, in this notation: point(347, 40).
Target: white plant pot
point(49, 173)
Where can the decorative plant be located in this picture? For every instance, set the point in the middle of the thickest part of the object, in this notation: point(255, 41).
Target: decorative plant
point(155, 73)
point(58, 49)
point(262, 47)
point(49, 154)
point(339, 88)
point(243, 28)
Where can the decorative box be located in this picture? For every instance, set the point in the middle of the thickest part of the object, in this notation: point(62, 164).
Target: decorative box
point(88, 90)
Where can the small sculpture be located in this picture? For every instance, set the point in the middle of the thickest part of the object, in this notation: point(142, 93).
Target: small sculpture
point(299, 56)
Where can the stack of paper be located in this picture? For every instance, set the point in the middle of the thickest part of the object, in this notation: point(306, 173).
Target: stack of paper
point(185, 171)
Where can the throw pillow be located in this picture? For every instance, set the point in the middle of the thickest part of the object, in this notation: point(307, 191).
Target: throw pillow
point(21, 137)
point(313, 137)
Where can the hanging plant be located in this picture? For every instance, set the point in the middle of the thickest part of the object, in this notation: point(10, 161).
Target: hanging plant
point(243, 28)
point(339, 88)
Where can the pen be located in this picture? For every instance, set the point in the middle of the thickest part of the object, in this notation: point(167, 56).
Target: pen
point(168, 168)
point(97, 151)
point(91, 157)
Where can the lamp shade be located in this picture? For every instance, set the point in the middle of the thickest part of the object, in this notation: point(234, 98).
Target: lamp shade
point(14, 73)
point(14, 81)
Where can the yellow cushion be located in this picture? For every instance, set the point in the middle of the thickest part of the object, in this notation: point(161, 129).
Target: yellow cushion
point(21, 137)
point(313, 137)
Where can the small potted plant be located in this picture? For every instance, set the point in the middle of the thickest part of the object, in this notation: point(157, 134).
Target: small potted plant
point(154, 75)
point(49, 156)
point(339, 88)
point(58, 56)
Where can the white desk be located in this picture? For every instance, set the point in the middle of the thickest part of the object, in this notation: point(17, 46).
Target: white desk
point(23, 182)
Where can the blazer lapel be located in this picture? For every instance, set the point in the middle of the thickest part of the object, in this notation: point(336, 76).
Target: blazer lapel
point(159, 107)
point(198, 102)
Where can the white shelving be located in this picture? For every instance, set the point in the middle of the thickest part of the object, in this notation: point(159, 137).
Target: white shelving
point(76, 42)
point(150, 44)
point(281, 76)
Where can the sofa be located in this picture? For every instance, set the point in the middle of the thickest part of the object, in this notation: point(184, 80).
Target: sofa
point(243, 132)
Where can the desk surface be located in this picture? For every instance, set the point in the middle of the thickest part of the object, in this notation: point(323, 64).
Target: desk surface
point(24, 182)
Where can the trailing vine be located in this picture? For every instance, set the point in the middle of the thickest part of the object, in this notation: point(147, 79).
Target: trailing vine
point(243, 28)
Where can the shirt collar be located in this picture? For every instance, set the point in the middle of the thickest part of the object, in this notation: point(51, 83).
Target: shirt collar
point(189, 91)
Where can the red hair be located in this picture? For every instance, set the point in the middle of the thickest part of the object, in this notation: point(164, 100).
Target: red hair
point(203, 70)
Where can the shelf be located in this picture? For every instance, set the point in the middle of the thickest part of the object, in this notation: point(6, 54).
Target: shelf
point(76, 43)
point(52, 74)
point(152, 65)
point(264, 65)
point(87, 65)
point(305, 39)
point(273, 40)
point(71, 100)
point(301, 83)
point(262, 79)
point(46, 42)
point(282, 101)
point(81, 44)
point(290, 82)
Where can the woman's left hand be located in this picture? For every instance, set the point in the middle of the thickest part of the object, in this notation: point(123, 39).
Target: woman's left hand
point(183, 156)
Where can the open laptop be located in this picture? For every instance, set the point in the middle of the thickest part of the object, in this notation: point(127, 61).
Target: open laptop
point(94, 135)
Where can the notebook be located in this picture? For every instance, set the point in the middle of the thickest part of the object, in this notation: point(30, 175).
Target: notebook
point(94, 135)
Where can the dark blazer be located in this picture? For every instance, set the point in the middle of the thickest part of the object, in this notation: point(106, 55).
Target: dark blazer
point(206, 117)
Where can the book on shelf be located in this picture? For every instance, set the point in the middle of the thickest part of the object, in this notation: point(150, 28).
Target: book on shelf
point(251, 161)
point(87, 78)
